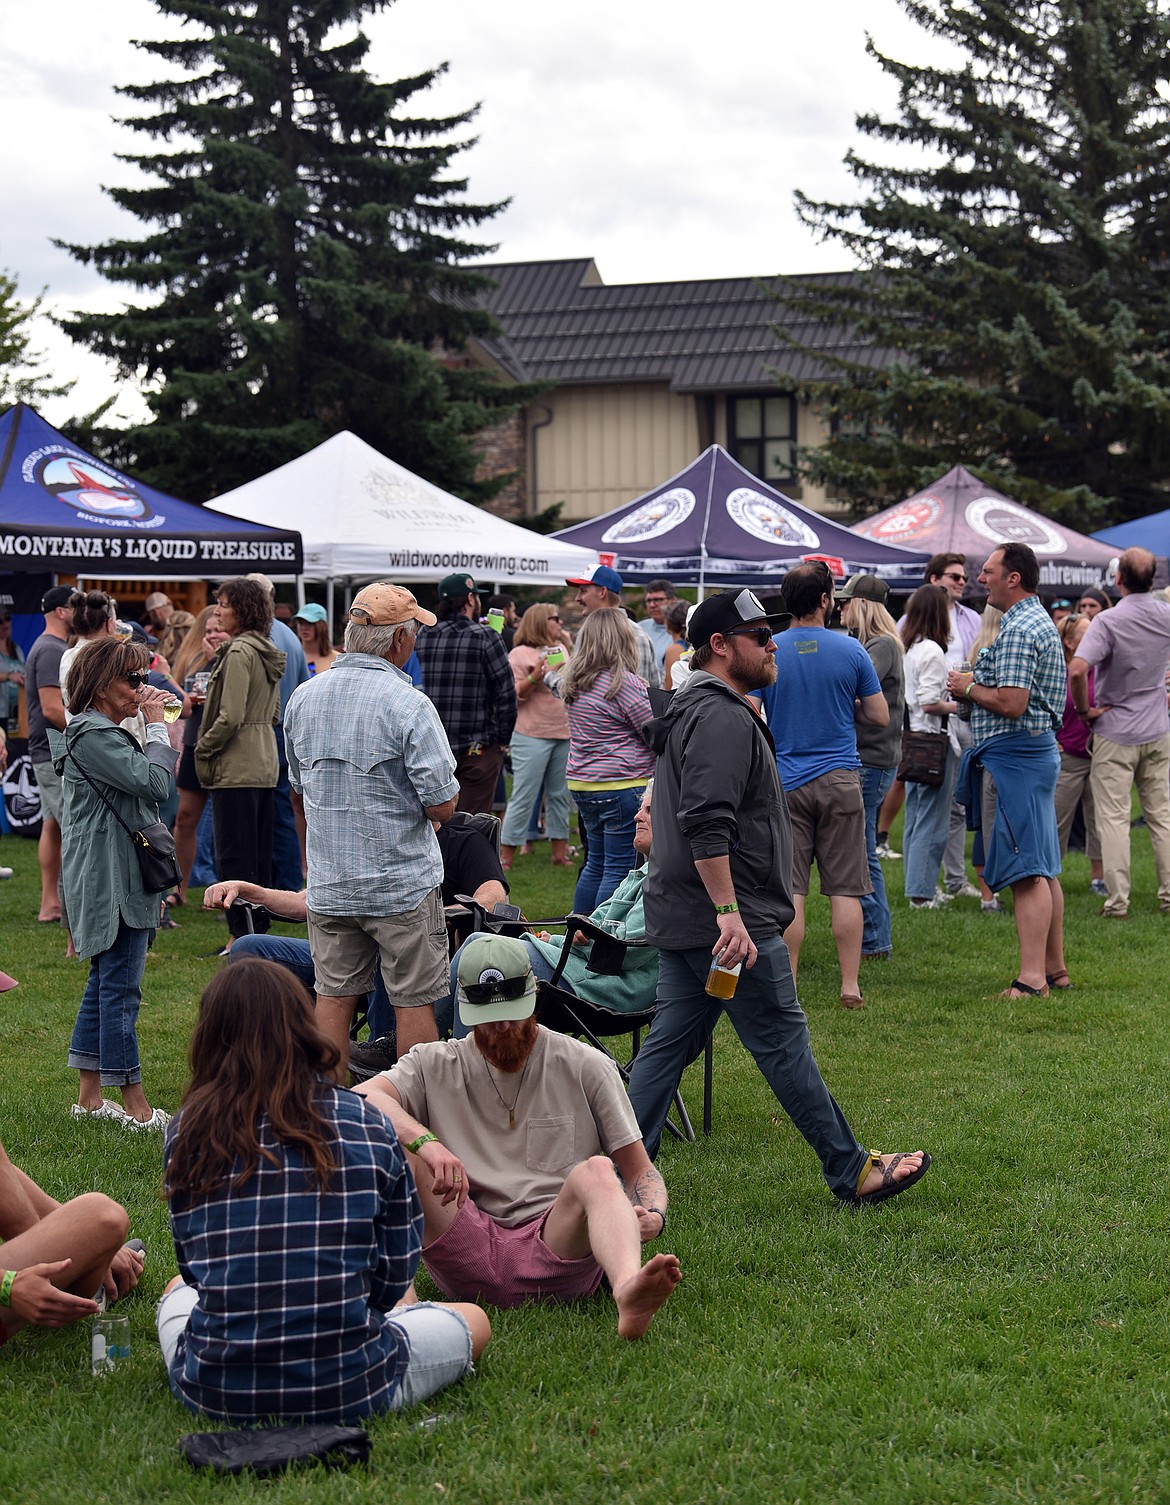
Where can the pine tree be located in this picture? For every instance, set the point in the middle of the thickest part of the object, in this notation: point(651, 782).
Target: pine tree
point(23, 377)
point(305, 261)
point(1015, 264)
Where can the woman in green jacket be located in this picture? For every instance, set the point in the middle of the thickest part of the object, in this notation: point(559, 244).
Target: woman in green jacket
point(112, 918)
point(236, 756)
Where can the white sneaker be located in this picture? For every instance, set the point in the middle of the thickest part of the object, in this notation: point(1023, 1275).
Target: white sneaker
point(107, 1110)
point(886, 852)
point(966, 891)
point(991, 906)
point(5, 872)
point(941, 897)
point(935, 903)
point(156, 1123)
point(1097, 886)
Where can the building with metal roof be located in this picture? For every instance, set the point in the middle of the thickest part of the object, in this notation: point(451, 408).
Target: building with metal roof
point(644, 376)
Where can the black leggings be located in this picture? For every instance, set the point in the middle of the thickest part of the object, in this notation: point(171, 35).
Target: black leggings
point(242, 819)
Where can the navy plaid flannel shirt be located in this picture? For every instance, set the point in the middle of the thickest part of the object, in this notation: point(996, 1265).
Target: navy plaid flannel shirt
point(467, 675)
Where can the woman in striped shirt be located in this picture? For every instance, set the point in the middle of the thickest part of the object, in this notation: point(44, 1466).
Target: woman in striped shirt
point(609, 763)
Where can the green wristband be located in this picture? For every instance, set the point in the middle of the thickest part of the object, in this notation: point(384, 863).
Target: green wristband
point(727, 909)
point(7, 1280)
point(969, 688)
point(416, 1144)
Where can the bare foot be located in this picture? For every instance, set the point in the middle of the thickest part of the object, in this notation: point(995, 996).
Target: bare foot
point(640, 1297)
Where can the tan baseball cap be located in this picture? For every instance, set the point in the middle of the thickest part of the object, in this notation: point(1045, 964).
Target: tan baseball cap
point(385, 605)
point(156, 598)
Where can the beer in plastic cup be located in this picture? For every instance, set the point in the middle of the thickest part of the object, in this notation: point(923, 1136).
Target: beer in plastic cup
point(722, 981)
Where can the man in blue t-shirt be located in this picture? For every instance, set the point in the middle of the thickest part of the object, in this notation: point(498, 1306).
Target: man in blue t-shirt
point(825, 683)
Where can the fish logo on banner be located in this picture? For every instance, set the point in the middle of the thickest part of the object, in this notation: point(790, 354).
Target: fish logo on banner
point(1001, 521)
point(653, 518)
point(767, 520)
point(90, 488)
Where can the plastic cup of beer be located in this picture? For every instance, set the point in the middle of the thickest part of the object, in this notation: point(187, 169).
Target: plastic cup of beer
point(722, 980)
point(172, 708)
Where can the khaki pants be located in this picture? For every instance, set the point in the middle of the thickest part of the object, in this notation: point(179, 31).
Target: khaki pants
point(1115, 770)
point(1073, 788)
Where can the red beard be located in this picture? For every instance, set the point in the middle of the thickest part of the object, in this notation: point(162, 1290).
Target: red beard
point(506, 1050)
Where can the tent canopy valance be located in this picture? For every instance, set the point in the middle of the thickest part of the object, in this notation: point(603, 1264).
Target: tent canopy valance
point(715, 524)
point(363, 516)
point(66, 512)
point(959, 514)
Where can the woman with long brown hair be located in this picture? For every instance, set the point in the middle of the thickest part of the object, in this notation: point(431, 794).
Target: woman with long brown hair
point(540, 742)
point(926, 632)
point(297, 1227)
point(196, 656)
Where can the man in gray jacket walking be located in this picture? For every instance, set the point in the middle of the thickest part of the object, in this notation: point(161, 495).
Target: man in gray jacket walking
point(720, 886)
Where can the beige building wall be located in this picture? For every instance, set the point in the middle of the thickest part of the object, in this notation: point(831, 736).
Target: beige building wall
point(606, 445)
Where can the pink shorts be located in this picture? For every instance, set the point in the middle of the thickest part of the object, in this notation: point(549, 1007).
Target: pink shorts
point(478, 1259)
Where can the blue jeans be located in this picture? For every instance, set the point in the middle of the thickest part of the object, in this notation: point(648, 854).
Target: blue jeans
point(875, 907)
point(291, 952)
point(103, 1036)
point(771, 1025)
point(536, 761)
point(608, 818)
point(924, 831)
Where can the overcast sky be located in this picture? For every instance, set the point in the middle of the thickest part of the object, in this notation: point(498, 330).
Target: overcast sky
point(663, 138)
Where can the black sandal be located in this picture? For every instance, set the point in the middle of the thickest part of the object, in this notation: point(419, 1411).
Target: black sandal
point(1022, 987)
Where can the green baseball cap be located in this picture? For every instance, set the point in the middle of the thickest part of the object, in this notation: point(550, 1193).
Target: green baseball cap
point(495, 980)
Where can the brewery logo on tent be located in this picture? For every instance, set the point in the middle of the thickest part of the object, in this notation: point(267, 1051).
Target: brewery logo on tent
point(90, 488)
point(1001, 521)
point(907, 520)
point(653, 518)
point(767, 520)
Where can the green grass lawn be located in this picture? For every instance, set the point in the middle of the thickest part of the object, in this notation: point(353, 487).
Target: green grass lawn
point(999, 1333)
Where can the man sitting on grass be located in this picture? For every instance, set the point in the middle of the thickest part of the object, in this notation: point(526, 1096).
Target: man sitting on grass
point(531, 1171)
point(55, 1258)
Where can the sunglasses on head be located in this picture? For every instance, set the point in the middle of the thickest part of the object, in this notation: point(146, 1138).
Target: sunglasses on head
point(136, 678)
point(481, 993)
point(761, 635)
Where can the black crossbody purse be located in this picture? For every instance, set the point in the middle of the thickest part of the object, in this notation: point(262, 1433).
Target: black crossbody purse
point(154, 846)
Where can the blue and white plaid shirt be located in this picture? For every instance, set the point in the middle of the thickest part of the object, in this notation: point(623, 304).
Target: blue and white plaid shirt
point(1026, 655)
point(293, 1283)
point(367, 752)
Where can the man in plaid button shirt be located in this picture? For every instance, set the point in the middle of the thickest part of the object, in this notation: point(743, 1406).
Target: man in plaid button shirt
point(466, 673)
point(1018, 694)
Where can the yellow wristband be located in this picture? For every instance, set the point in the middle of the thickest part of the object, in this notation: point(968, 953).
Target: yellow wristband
point(970, 687)
point(416, 1144)
point(7, 1281)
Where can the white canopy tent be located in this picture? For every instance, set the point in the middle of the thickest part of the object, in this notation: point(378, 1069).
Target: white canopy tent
point(364, 517)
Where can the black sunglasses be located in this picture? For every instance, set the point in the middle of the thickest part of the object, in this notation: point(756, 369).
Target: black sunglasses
point(762, 635)
point(481, 993)
point(136, 679)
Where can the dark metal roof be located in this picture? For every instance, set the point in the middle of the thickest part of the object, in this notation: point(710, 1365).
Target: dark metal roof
point(561, 323)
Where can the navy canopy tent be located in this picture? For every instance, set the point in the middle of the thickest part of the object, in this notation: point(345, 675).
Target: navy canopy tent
point(958, 514)
point(63, 511)
point(715, 524)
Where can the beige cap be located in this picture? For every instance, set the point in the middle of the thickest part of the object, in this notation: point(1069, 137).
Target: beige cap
point(156, 598)
point(385, 605)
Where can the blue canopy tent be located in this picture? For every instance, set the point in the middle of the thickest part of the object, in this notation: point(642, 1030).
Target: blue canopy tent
point(63, 511)
point(715, 524)
point(1151, 533)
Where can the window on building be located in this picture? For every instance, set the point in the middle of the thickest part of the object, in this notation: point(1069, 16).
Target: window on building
point(762, 435)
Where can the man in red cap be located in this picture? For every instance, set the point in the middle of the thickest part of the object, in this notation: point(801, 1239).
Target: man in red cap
point(604, 588)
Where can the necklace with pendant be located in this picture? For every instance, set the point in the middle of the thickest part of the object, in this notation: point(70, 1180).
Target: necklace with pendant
point(499, 1094)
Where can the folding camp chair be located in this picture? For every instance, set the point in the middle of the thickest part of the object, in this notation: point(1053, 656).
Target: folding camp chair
point(559, 1009)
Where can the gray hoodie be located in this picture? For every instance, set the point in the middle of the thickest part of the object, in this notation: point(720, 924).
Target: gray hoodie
point(716, 793)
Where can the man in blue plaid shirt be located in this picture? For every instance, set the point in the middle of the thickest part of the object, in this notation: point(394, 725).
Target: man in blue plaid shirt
point(1018, 694)
point(466, 673)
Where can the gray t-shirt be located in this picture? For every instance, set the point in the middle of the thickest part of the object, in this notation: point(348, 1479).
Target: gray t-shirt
point(569, 1103)
point(881, 746)
point(42, 670)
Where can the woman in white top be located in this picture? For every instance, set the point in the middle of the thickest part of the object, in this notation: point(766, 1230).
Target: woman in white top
point(925, 632)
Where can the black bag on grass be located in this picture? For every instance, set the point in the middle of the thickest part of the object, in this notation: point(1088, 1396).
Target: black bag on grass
point(270, 1450)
